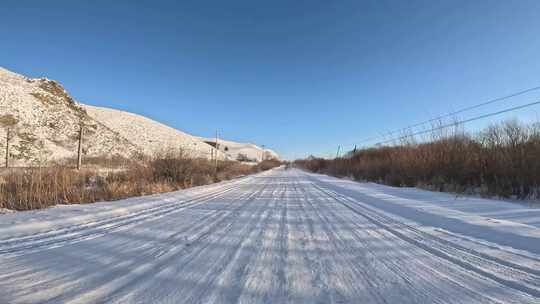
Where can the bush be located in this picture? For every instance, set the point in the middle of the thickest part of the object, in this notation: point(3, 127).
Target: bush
point(502, 160)
point(35, 188)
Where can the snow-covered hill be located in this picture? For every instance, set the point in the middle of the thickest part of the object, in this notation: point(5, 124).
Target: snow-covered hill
point(148, 135)
point(44, 121)
point(153, 137)
point(242, 151)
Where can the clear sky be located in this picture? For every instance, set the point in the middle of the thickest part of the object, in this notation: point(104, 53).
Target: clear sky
point(301, 77)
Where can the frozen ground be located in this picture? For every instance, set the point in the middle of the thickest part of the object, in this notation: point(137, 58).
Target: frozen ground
point(283, 236)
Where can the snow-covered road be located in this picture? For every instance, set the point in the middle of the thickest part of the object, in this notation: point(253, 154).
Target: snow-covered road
point(282, 236)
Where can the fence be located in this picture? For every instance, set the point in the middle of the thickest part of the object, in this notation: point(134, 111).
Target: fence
point(78, 158)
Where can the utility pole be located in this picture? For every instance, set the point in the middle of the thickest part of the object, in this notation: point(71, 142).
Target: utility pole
point(337, 153)
point(79, 151)
point(217, 150)
point(8, 135)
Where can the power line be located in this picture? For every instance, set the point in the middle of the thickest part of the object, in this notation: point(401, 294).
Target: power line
point(454, 113)
point(462, 122)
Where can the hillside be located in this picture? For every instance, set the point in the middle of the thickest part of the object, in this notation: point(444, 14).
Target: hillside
point(153, 137)
point(150, 136)
point(241, 151)
point(45, 120)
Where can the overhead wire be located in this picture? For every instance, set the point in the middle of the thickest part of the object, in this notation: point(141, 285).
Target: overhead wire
point(506, 97)
point(461, 122)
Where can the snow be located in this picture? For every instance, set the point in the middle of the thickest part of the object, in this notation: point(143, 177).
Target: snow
point(282, 236)
point(4, 210)
point(148, 135)
point(153, 137)
point(48, 121)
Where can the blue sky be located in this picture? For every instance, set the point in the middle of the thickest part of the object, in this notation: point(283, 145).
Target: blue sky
point(301, 77)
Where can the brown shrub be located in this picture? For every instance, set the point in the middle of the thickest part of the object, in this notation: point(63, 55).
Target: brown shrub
point(502, 160)
point(35, 188)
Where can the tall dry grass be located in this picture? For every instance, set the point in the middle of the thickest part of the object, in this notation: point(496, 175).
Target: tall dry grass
point(35, 188)
point(502, 160)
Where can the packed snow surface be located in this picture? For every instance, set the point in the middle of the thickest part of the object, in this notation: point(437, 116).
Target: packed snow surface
point(282, 236)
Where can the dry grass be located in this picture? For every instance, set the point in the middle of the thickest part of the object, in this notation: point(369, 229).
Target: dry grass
point(35, 188)
point(8, 120)
point(502, 160)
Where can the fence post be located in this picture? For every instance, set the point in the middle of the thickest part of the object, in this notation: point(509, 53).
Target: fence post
point(8, 135)
point(216, 153)
point(263, 152)
point(79, 151)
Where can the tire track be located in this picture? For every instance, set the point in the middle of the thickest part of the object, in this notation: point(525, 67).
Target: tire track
point(469, 260)
point(423, 288)
point(197, 246)
point(237, 270)
point(334, 238)
point(73, 234)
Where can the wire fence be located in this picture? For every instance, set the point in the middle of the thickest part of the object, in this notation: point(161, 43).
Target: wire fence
point(20, 151)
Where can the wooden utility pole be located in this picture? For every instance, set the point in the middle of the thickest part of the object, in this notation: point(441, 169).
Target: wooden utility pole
point(79, 151)
point(337, 153)
point(217, 150)
point(8, 135)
